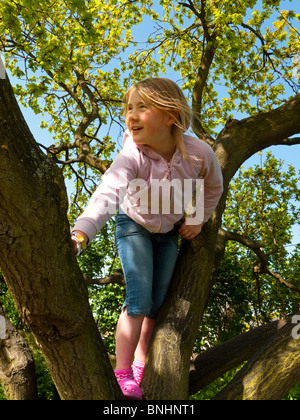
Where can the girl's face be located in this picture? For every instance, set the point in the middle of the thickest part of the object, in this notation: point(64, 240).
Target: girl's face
point(147, 125)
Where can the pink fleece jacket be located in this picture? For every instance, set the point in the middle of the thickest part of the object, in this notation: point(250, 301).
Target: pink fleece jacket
point(127, 185)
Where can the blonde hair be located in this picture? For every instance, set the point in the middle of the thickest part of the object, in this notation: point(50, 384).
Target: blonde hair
point(167, 96)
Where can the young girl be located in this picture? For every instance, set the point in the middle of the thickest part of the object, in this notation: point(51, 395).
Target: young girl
point(146, 236)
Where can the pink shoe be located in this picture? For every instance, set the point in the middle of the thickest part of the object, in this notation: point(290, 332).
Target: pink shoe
point(128, 385)
point(138, 369)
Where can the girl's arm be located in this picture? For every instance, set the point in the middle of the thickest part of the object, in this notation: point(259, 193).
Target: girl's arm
point(107, 197)
point(213, 189)
point(213, 184)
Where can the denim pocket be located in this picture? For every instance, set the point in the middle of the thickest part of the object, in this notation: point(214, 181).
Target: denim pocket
point(125, 226)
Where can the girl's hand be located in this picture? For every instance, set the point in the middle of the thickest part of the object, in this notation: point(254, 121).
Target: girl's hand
point(82, 237)
point(189, 231)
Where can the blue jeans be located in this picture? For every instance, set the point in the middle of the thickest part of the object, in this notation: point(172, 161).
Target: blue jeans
point(148, 261)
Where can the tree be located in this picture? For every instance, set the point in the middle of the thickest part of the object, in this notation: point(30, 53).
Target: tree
point(17, 370)
point(66, 49)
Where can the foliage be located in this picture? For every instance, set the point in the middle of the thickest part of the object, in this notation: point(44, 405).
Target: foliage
point(100, 256)
point(65, 53)
point(76, 58)
point(263, 205)
point(106, 302)
point(228, 313)
point(2, 396)
point(294, 394)
point(45, 385)
point(211, 390)
point(99, 261)
point(249, 50)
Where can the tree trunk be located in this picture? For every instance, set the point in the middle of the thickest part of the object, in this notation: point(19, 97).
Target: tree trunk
point(270, 373)
point(166, 375)
point(39, 266)
point(17, 370)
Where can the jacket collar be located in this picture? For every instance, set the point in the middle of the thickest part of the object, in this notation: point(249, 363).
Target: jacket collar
point(128, 142)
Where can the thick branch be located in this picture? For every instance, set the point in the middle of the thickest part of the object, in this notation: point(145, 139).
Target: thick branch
point(176, 327)
point(271, 372)
point(239, 140)
point(200, 83)
point(209, 49)
point(213, 363)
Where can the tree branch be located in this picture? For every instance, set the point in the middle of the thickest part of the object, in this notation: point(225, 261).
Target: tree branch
point(116, 278)
point(282, 281)
point(214, 362)
point(239, 140)
point(200, 83)
point(270, 373)
point(35, 267)
point(88, 117)
point(246, 241)
point(209, 49)
point(200, 15)
point(260, 266)
point(291, 141)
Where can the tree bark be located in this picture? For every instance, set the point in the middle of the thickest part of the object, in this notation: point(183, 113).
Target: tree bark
point(270, 373)
point(38, 262)
point(17, 369)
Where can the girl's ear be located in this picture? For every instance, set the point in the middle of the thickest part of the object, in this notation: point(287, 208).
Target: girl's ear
point(173, 117)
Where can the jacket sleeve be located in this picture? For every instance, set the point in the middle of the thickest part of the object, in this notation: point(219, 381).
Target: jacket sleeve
point(213, 184)
point(209, 189)
point(108, 196)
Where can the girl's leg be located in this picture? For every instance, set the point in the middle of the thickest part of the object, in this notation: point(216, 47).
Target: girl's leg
point(165, 256)
point(136, 254)
point(127, 337)
point(144, 341)
point(164, 260)
point(142, 349)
